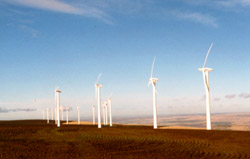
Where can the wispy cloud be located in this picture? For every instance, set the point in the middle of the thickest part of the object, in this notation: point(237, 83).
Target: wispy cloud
point(230, 96)
point(16, 11)
point(244, 95)
point(4, 110)
point(52, 5)
point(204, 19)
point(62, 7)
point(26, 28)
point(216, 99)
point(232, 3)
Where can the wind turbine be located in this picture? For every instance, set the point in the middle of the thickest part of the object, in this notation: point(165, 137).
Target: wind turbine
point(67, 115)
point(104, 114)
point(78, 112)
point(52, 117)
point(93, 110)
point(153, 82)
point(98, 86)
point(57, 94)
point(43, 114)
point(205, 71)
point(47, 115)
point(55, 116)
point(110, 110)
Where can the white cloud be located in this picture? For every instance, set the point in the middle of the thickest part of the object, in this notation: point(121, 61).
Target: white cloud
point(33, 32)
point(196, 17)
point(59, 6)
point(233, 3)
point(52, 5)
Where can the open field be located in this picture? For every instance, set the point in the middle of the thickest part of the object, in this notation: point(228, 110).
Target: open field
point(36, 139)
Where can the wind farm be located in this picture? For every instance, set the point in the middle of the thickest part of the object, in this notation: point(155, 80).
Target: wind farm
point(60, 61)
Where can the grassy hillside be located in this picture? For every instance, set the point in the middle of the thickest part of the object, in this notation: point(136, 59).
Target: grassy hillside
point(36, 139)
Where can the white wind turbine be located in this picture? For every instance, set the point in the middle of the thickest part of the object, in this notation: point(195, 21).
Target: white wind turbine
point(52, 117)
point(43, 114)
point(57, 95)
point(104, 113)
point(153, 82)
point(47, 115)
point(110, 110)
point(98, 86)
point(67, 115)
point(55, 116)
point(205, 71)
point(78, 112)
point(93, 110)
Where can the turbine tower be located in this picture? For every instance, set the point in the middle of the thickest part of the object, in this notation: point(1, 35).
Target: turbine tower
point(93, 110)
point(43, 114)
point(153, 82)
point(67, 115)
point(205, 71)
point(110, 110)
point(98, 86)
point(57, 93)
point(55, 116)
point(62, 112)
point(104, 114)
point(78, 112)
point(52, 117)
point(47, 115)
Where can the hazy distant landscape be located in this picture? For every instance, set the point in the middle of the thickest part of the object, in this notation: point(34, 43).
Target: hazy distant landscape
point(223, 121)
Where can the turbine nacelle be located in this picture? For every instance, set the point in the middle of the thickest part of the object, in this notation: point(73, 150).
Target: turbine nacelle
point(153, 80)
point(98, 85)
point(205, 69)
point(58, 91)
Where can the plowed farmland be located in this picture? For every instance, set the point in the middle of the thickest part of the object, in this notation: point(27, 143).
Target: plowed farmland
point(36, 139)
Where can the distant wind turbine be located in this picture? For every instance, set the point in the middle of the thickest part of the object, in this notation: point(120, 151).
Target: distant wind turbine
point(205, 71)
point(55, 116)
point(52, 113)
point(93, 110)
point(62, 112)
point(153, 82)
point(43, 114)
point(78, 112)
point(98, 86)
point(67, 115)
point(104, 113)
point(57, 94)
point(47, 115)
point(110, 110)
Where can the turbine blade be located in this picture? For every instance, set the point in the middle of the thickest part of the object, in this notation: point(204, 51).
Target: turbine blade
point(55, 97)
point(98, 78)
point(149, 82)
point(152, 69)
point(207, 55)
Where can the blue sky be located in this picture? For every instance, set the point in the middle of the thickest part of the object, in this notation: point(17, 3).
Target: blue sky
point(50, 43)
